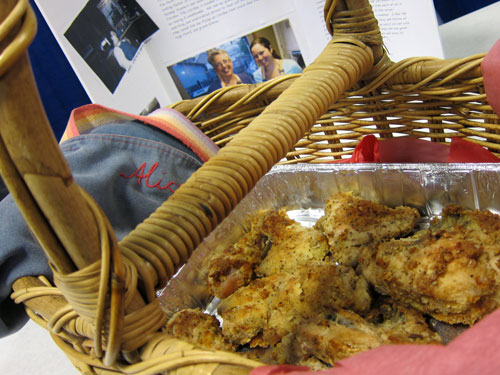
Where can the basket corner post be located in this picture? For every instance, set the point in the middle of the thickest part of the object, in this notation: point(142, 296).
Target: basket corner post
point(355, 19)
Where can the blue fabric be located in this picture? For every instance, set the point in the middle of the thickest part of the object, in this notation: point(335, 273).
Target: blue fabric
point(130, 169)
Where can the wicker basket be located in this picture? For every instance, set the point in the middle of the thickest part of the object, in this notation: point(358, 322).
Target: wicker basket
point(352, 89)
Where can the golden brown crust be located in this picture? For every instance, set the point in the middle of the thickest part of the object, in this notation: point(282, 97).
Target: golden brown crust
point(275, 243)
point(270, 308)
point(234, 267)
point(330, 338)
point(199, 329)
point(449, 271)
point(397, 324)
point(285, 300)
point(294, 246)
point(350, 222)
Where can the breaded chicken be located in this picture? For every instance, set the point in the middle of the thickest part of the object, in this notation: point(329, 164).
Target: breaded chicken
point(397, 324)
point(275, 243)
point(291, 247)
point(270, 308)
point(350, 222)
point(329, 337)
point(199, 329)
point(234, 267)
point(450, 271)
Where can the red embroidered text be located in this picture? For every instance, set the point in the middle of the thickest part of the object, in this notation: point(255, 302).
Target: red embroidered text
point(141, 175)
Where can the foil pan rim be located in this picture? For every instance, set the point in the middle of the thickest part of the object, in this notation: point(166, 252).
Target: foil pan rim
point(439, 167)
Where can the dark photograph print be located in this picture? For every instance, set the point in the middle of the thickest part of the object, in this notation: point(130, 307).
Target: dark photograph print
point(107, 35)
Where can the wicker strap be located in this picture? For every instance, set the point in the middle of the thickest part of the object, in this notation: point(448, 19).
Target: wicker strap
point(15, 48)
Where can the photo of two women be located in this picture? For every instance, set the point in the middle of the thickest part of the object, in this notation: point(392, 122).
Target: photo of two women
point(254, 58)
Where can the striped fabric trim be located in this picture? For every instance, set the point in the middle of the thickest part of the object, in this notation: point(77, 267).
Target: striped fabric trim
point(88, 117)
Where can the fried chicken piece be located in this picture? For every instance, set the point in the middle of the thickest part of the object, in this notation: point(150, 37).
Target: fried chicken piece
point(291, 247)
point(234, 267)
point(397, 324)
point(447, 332)
point(270, 308)
point(329, 337)
point(282, 242)
point(199, 329)
point(350, 222)
point(449, 271)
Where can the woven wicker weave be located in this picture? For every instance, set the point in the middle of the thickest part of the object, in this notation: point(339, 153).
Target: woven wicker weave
point(350, 90)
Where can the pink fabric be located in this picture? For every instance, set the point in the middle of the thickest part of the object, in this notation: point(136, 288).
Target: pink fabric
point(490, 68)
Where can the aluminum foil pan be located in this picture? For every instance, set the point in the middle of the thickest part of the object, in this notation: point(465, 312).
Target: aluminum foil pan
point(303, 189)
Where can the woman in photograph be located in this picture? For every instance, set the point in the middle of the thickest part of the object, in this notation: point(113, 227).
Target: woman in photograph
point(223, 66)
point(270, 64)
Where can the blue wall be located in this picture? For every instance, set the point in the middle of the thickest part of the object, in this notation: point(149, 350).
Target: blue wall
point(448, 10)
point(58, 85)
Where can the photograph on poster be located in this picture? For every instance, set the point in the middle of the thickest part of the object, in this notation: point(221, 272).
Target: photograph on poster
point(107, 35)
point(246, 59)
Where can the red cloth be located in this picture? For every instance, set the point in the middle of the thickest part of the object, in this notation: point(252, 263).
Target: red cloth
point(414, 150)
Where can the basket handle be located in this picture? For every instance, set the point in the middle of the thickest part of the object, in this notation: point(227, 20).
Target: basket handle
point(41, 182)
